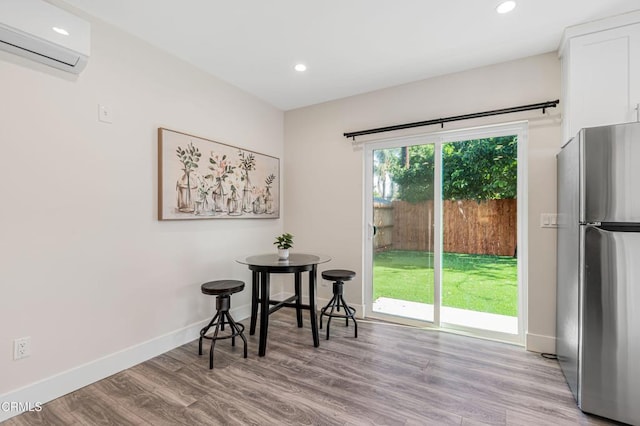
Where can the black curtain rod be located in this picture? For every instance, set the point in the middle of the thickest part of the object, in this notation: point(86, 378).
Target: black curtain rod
point(441, 121)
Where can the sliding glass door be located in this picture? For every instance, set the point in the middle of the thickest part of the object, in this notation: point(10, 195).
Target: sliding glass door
point(443, 230)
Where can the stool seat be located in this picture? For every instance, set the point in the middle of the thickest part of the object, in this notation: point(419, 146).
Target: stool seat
point(215, 288)
point(338, 275)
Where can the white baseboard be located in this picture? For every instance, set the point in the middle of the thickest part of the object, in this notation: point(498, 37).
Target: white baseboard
point(541, 344)
point(68, 381)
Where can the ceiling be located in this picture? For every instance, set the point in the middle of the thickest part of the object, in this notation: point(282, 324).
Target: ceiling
point(349, 46)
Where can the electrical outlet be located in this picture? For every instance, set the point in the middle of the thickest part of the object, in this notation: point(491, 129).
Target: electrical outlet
point(21, 348)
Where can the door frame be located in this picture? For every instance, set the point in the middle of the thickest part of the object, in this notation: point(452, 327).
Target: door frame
point(519, 128)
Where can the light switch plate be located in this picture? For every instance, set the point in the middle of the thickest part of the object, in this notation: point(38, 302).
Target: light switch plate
point(548, 220)
point(105, 114)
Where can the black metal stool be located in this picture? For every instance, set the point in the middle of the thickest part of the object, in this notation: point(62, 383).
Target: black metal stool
point(222, 289)
point(338, 276)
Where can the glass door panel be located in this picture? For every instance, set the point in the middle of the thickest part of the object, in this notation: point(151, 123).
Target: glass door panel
point(403, 241)
point(479, 234)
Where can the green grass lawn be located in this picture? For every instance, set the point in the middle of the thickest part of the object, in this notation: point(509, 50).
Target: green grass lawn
point(480, 283)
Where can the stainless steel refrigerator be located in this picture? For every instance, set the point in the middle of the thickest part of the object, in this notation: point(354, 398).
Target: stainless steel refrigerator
point(598, 281)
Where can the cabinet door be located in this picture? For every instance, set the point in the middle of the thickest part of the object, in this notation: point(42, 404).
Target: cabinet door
point(604, 72)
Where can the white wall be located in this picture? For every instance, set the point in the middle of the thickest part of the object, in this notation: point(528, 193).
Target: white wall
point(324, 184)
point(86, 269)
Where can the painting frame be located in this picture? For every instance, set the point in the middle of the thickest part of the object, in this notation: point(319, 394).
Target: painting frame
point(199, 178)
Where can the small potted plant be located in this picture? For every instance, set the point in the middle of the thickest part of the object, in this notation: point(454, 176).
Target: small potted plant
point(284, 242)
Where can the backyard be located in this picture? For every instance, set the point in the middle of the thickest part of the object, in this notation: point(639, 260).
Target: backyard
point(482, 283)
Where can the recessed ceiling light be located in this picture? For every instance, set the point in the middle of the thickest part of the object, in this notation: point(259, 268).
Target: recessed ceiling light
point(60, 31)
point(300, 67)
point(506, 6)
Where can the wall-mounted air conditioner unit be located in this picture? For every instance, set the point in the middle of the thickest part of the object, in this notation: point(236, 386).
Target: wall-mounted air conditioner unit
point(42, 32)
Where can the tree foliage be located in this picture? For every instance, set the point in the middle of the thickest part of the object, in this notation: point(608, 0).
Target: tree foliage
point(480, 169)
point(412, 171)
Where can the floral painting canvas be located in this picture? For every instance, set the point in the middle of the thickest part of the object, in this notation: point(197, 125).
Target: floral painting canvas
point(203, 179)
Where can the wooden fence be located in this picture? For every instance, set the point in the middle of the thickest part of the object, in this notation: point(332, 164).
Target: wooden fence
point(487, 227)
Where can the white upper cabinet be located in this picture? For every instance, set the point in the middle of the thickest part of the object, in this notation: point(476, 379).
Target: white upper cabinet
point(600, 73)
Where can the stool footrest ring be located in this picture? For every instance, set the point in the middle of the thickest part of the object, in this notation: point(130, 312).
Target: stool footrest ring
point(352, 312)
point(238, 332)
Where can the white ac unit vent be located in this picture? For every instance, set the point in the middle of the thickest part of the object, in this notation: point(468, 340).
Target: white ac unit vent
point(40, 31)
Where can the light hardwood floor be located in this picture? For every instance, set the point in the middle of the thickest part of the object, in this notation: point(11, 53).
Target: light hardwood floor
point(389, 375)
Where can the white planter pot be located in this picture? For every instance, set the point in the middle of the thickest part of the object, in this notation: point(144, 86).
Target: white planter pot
point(283, 254)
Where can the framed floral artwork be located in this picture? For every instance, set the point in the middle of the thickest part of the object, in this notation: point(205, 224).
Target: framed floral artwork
point(203, 179)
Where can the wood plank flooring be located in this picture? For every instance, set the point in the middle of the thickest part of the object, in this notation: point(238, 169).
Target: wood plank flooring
point(389, 375)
